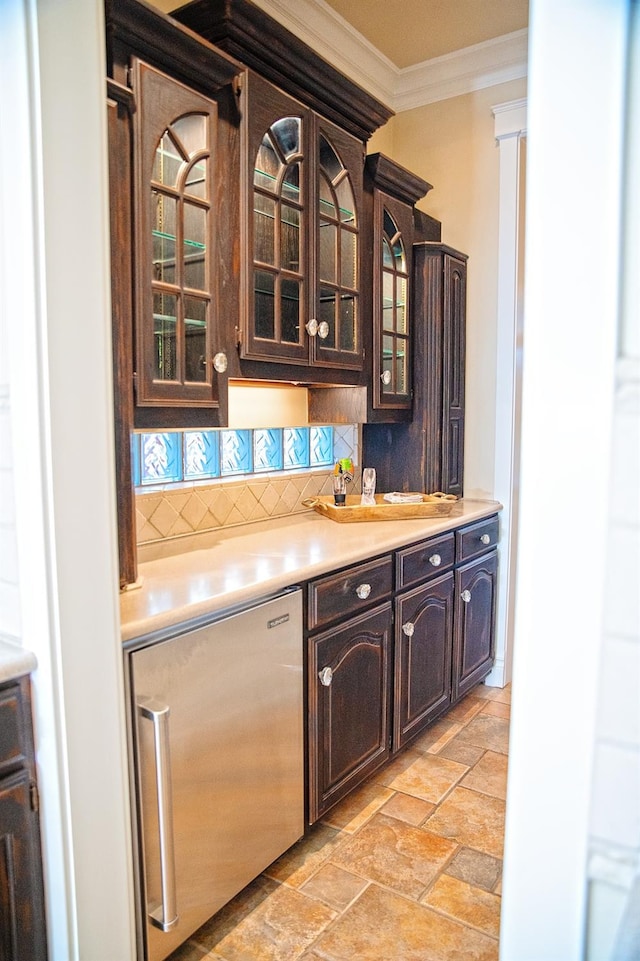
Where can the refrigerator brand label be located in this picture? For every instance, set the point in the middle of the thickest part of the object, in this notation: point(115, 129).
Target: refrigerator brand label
point(278, 620)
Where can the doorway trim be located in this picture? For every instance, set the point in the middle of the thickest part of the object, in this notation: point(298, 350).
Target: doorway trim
point(510, 128)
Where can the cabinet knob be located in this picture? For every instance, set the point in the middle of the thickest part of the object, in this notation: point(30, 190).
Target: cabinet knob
point(323, 330)
point(220, 362)
point(385, 377)
point(485, 539)
point(363, 591)
point(326, 676)
point(408, 629)
point(466, 596)
point(435, 560)
point(311, 327)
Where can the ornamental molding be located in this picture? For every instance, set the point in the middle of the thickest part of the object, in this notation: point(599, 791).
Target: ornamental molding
point(510, 119)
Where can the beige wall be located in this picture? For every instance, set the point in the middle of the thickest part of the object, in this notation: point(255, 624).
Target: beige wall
point(452, 145)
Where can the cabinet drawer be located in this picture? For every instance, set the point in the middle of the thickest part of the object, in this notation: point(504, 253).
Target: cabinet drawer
point(14, 742)
point(477, 539)
point(416, 564)
point(349, 591)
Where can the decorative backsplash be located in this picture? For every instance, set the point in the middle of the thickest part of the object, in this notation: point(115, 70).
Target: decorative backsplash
point(177, 510)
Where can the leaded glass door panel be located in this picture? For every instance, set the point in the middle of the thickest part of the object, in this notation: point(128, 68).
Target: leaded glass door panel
point(277, 228)
point(392, 372)
point(339, 162)
point(176, 322)
point(302, 234)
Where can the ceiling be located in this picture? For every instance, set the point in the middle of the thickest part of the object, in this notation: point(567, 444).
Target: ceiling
point(412, 31)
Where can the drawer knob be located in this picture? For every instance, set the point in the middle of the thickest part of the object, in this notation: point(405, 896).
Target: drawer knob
point(326, 676)
point(311, 327)
point(363, 591)
point(485, 539)
point(435, 560)
point(385, 377)
point(408, 629)
point(466, 596)
point(323, 330)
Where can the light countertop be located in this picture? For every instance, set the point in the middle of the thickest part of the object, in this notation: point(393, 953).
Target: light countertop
point(15, 661)
point(205, 573)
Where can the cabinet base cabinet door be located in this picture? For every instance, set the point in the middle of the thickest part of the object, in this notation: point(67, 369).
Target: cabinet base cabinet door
point(474, 637)
point(21, 896)
point(424, 625)
point(348, 706)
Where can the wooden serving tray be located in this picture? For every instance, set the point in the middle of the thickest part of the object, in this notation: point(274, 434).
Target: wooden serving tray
point(432, 505)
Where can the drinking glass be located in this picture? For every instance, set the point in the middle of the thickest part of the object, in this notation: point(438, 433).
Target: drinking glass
point(340, 490)
point(368, 486)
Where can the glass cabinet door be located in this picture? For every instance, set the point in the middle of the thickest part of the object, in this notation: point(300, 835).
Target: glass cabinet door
point(279, 241)
point(394, 372)
point(176, 302)
point(392, 377)
point(304, 190)
point(337, 295)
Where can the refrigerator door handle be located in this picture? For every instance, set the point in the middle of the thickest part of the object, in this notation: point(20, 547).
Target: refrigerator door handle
point(165, 916)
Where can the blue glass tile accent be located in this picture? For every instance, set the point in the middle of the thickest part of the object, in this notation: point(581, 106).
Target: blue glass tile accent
point(135, 459)
point(321, 446)
point(296, 447)
point(236, 451)
point(267, 449)
point(201, 454)
point(160, 460)
point(168, 458)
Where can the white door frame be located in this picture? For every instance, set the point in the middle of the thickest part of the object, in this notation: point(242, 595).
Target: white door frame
point(510, 128)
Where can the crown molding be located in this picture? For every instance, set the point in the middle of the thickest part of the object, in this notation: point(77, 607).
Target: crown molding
point(464, 71)
point(332, 37)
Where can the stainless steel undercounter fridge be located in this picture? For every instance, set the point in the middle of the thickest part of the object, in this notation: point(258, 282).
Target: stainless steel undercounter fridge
point(217, 760)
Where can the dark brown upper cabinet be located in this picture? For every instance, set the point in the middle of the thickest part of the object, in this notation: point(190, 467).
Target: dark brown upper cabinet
point(176, 146)
point(303, 224)
point(179, 354)
point(174, 181)
point(391, 193)
point(304, 193)
point(440, 277)
point(427, 453)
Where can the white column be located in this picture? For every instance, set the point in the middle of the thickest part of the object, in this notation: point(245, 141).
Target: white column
point(510, 127)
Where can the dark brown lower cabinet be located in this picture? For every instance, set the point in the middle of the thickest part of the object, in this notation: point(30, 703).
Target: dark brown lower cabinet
point(474, 635)
point(22, 925)
point(423, 624)
point(349, 706)
point(377, 678)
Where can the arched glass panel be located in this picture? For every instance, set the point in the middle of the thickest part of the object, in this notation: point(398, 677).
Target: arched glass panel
point(338, 252)
point(277, 232)
point(395, 334)
point(180, 230)
point(286, 134)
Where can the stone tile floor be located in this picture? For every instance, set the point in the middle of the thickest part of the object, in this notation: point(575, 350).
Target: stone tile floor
point(408, 868)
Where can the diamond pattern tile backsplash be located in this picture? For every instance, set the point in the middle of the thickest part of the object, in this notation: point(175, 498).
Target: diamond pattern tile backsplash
point(169, 512)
